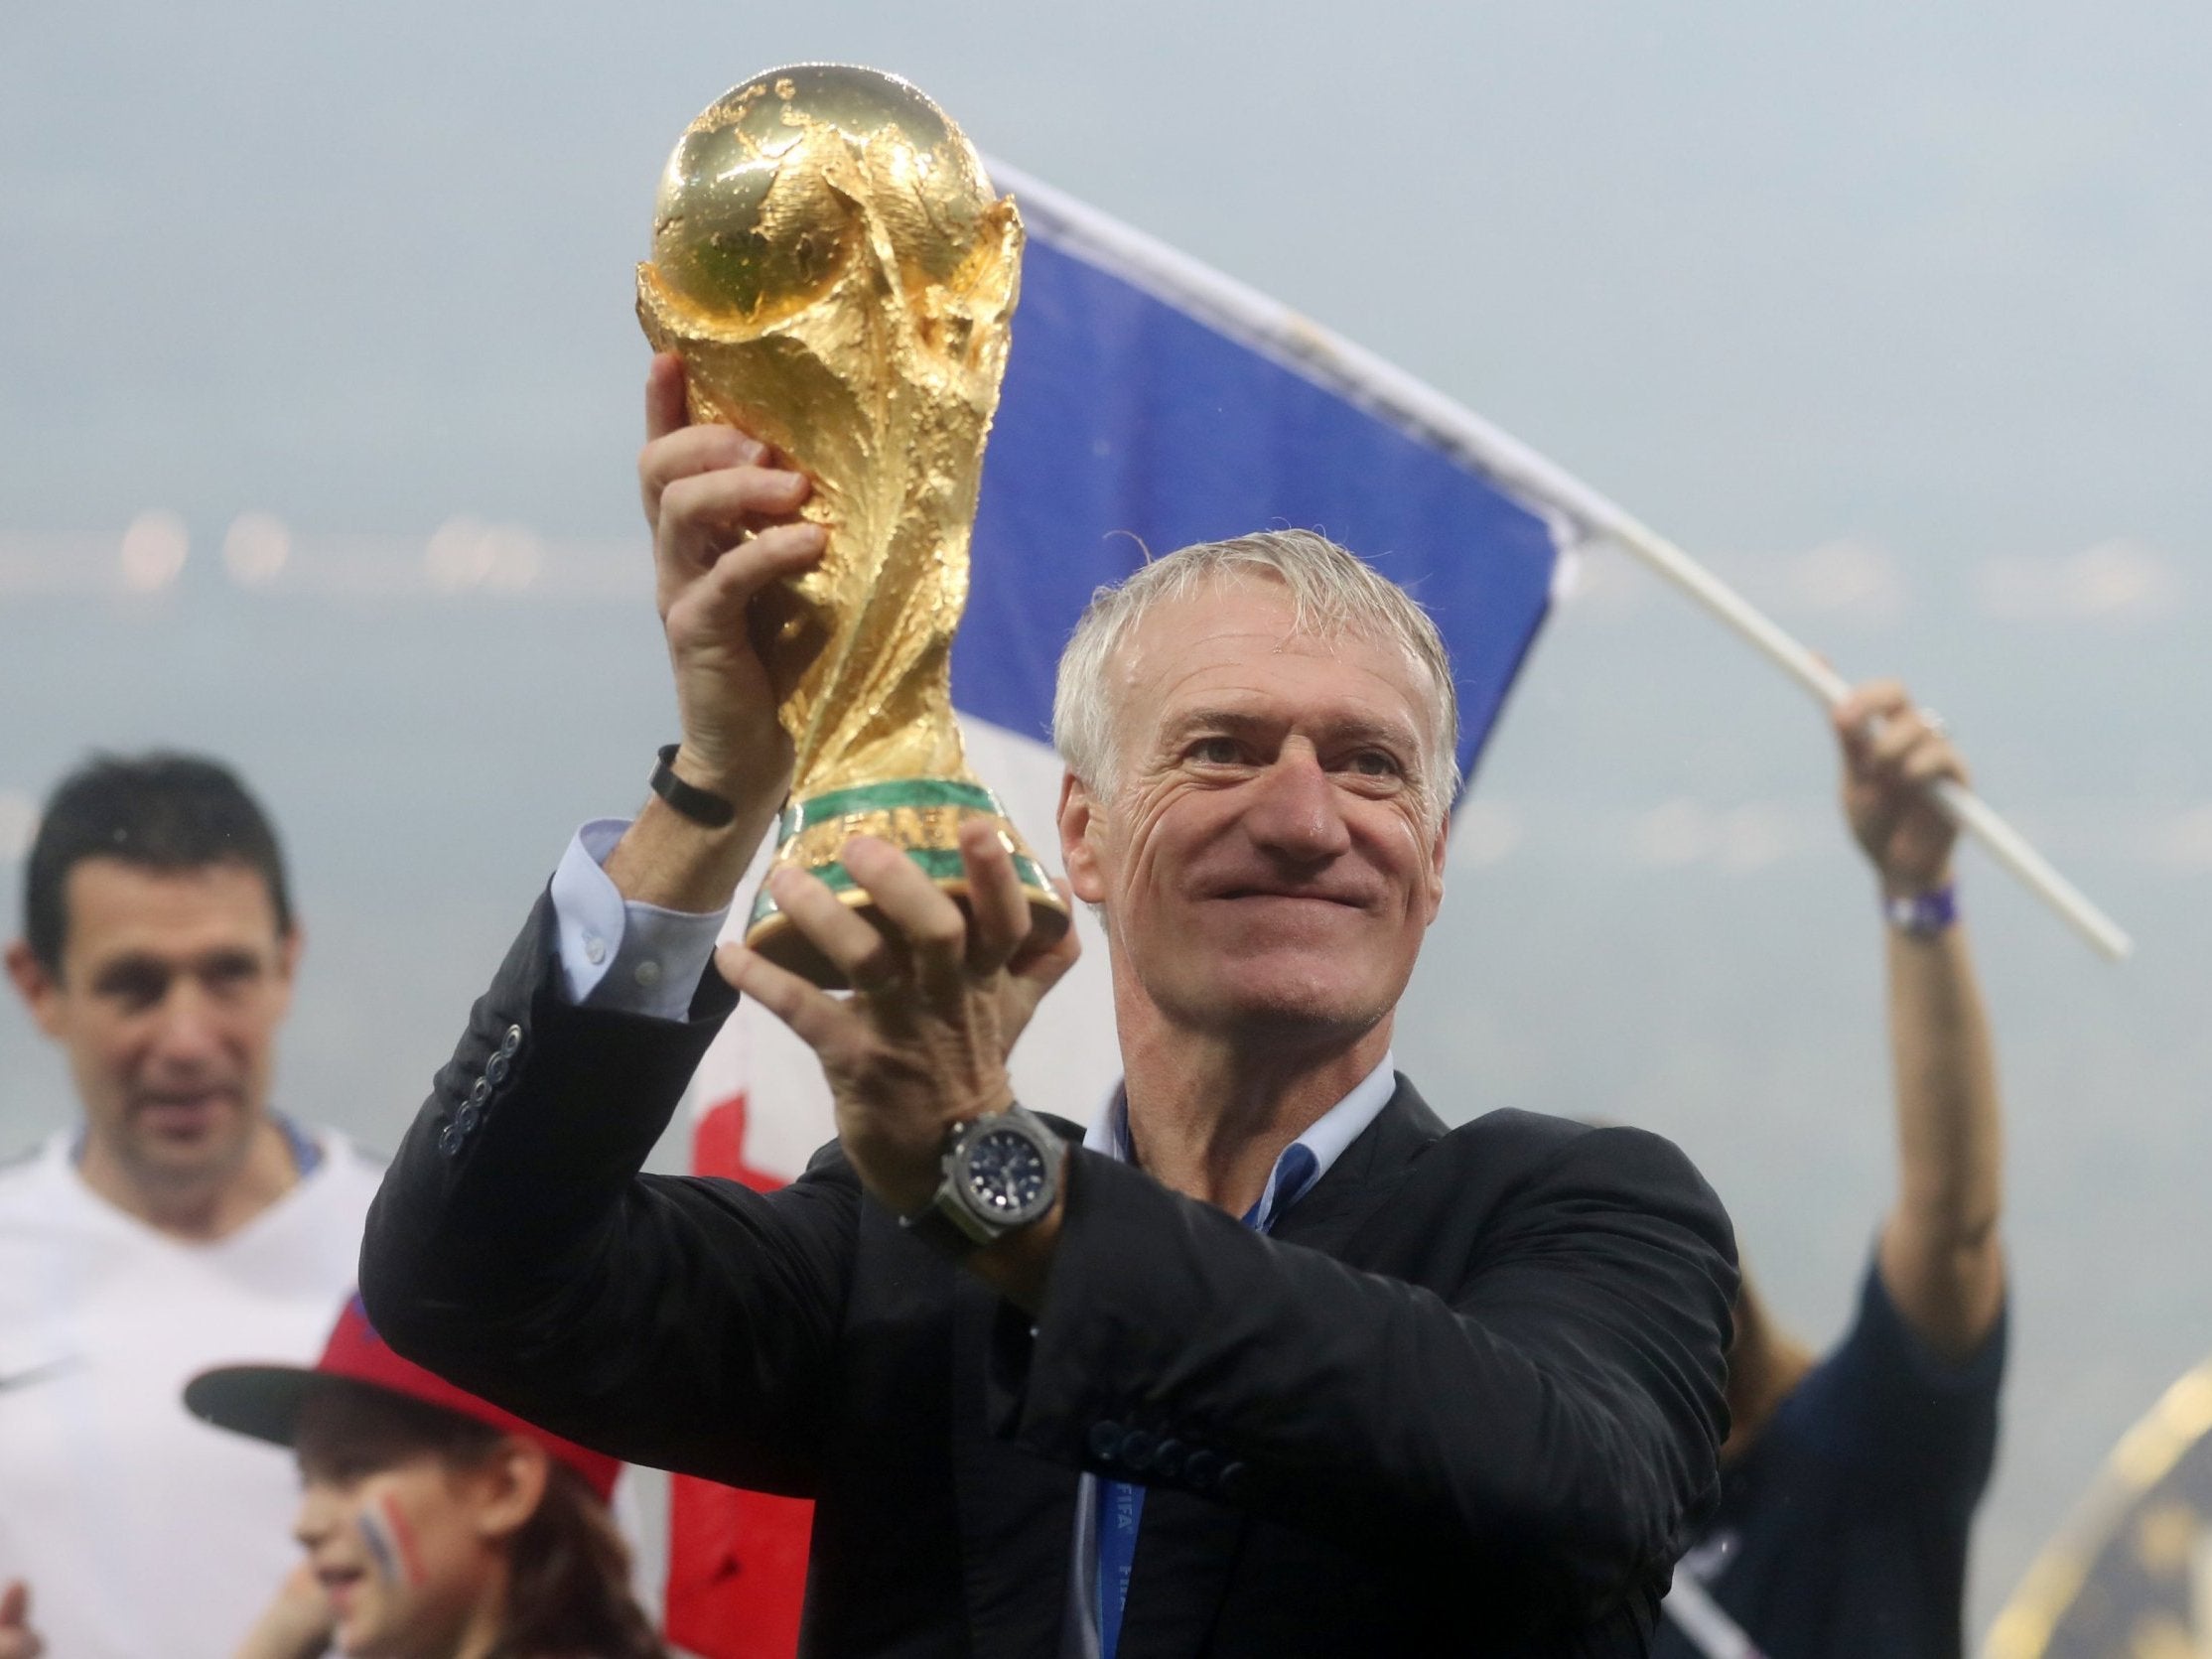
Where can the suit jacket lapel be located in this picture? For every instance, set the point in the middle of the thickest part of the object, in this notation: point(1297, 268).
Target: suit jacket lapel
point(1361, 1180)
point(1188, 1547)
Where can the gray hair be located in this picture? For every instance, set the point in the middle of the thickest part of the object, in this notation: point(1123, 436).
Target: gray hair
point(1332, 593)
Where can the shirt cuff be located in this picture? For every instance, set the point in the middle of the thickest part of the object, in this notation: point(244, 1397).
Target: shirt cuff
point(616, 953)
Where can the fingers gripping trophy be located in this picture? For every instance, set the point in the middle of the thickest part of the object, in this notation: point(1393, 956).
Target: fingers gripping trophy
point(833, 267)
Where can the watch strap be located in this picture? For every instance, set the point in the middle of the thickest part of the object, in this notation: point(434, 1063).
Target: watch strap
point(700, 806)
point(1923, 915)
point(935, 1225)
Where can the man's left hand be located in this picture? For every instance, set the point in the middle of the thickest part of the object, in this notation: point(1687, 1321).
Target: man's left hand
point(1892, 754)
point(940, 997)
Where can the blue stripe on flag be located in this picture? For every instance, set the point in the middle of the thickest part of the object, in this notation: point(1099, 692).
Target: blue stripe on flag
point(1126, 423)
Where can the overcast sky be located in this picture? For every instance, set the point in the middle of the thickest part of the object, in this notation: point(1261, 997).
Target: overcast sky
point(1894, 311)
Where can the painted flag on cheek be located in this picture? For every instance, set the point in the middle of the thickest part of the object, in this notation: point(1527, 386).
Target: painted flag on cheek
point(1149, 403)
point(390, 1541)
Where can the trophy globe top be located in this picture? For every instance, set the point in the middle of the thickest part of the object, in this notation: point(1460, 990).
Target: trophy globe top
point(759, 207)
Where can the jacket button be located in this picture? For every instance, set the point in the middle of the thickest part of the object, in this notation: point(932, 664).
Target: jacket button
point(1166, 1458)
point(1135, 1449)
point(480, 1092)
point(1106, 1440)
point(448, 1142)
point(1201, 1469)
point(1233, 1480)
point(511, 1043)
point(464, 1120)
point(495, 1069)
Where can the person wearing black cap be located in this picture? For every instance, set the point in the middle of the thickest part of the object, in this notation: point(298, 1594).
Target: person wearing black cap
point(434, 1522)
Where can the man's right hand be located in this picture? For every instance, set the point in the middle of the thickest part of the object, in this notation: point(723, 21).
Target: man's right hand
point(721, 510)
point(16, 1639)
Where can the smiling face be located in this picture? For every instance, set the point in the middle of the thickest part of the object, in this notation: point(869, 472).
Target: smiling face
point(409, 1544)
point(171, 987)
point(1268, 852)
point(392, 1553)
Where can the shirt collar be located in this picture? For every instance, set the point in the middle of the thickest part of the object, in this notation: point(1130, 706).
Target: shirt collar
point(1294, 1174)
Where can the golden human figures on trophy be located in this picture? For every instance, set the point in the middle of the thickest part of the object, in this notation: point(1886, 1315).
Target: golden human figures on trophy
point(832, 265)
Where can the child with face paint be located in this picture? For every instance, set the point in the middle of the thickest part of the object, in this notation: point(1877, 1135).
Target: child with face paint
point(436, 1525)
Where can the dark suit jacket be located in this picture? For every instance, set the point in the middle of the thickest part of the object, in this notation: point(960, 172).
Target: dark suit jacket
point(1464, 1400)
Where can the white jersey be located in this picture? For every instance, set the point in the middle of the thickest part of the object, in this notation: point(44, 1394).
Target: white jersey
point(141, 1530)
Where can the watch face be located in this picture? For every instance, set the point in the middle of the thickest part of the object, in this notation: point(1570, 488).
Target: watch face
point(1006, 1174)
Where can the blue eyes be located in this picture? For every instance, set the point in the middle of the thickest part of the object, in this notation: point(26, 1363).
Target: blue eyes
point(1228, 751)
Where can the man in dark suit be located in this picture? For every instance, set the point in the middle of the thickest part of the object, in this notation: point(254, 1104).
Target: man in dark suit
point(1273, 1363)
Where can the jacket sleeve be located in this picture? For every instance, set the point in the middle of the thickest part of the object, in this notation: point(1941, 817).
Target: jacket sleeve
point(1536, 1404)
point(516, 1248)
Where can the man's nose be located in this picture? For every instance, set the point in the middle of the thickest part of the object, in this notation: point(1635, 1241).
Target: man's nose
point(1297, 811)
point(187, 1023)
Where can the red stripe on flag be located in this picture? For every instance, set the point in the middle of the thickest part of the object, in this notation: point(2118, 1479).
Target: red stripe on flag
point(736, 1570)
point(736, 1559)
point(718, 1146)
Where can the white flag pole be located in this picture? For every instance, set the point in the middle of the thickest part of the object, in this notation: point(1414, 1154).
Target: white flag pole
point(1961, 805)
point(1601, 520)
point(1573, 507)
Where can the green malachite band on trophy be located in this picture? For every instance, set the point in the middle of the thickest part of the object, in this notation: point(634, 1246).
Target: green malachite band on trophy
point(884, 797)
point(939, 864)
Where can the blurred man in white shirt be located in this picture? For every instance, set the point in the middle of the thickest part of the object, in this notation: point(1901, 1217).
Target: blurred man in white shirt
point(181, 1223)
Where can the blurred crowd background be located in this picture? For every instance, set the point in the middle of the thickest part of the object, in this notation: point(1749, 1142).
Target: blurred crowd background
point(320, 388)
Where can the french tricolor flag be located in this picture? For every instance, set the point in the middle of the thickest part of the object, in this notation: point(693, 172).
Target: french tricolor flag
point(1150, 402)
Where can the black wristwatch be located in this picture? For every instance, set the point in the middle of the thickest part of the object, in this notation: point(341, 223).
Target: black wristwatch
point(1002, 1172)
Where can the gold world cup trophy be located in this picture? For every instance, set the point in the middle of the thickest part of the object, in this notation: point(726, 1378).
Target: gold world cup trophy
point(833, 267)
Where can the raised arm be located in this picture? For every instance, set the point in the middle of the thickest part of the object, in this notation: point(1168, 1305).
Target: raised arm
point(1941, 1258)
point(514, 1246)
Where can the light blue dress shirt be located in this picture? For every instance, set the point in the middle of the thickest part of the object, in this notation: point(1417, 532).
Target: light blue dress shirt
point(616, 953)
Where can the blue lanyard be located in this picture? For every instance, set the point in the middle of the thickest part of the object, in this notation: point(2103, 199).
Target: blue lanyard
point(1121, 1503)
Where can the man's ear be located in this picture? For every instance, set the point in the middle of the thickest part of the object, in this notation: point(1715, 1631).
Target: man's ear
point(39, 990)
point(507, 1489)
point(1078, 819)
point(1436, 856)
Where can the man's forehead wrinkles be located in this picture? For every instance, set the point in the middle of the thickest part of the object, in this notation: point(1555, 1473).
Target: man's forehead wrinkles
point(1270, 680)
point(1336, 723)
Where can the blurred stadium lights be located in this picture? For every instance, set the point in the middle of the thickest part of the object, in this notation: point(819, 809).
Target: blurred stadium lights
point(2114, 581)
point(464, 554)
point(255, 548)
point(2183, 841)
point(153, 551)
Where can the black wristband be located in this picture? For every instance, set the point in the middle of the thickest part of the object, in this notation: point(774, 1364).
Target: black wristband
point(700, 806)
